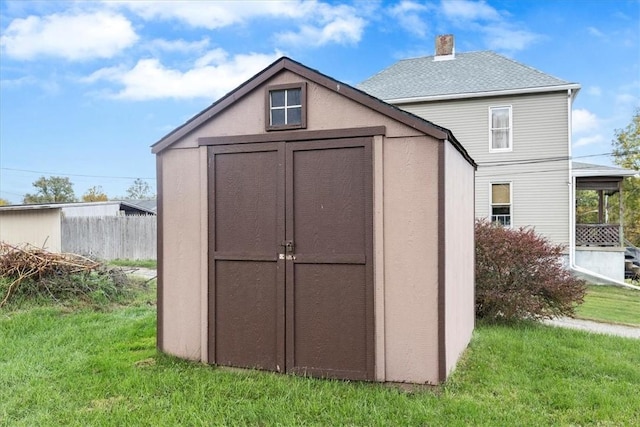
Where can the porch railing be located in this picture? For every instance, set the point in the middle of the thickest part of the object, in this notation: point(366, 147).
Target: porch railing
point(598, 235)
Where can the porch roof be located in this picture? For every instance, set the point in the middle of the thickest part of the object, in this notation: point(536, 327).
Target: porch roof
point(579, 169)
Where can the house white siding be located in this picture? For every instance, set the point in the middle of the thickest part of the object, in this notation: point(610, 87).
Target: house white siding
point(540, 187)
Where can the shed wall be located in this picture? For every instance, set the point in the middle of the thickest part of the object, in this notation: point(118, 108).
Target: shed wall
point(37, 227)
point(540, 131)
point(411, 259)
point(181, 248)
point(459, 310)
point(326, 110)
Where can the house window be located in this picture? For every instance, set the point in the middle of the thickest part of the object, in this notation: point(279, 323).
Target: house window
point(500, 128)
point(286, 107)
point(501, 203)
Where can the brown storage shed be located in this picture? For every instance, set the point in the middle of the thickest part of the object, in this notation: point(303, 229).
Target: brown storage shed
point(307, 227)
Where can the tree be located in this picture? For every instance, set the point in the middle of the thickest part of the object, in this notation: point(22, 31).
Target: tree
point(626, 151)
point(139, 190)
point(519, 275)
point(55, 189)
point(4, 202)
point(94, 194)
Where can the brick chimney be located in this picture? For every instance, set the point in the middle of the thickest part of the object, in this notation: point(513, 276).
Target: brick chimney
point(444, 48)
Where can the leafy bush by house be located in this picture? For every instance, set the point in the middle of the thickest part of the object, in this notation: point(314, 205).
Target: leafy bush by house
point(519, 275)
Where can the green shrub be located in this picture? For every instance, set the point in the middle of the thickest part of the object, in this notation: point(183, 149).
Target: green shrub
point(519, 275)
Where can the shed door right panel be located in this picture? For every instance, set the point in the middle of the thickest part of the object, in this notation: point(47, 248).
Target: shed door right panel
point(329, 283)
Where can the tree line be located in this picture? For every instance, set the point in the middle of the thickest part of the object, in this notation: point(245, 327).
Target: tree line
point(58, 189)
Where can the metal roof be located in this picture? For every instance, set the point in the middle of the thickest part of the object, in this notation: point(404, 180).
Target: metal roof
point(480, 73)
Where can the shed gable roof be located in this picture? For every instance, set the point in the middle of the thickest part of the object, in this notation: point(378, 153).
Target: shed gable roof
point(468, 73)
point(314, 76)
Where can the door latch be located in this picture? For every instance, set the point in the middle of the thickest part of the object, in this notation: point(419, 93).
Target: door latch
point(288, 247)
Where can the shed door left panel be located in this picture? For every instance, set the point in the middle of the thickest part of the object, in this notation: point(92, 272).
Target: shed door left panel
point(246, 276)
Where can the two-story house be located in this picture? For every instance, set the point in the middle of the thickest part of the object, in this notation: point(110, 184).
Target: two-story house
point(515, 121)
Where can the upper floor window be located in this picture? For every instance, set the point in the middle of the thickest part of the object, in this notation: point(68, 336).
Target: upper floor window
point(286, 106)
point(501, 203)
point(500, 129)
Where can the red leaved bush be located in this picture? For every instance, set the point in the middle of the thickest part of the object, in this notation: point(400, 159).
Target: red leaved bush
point(519, 275)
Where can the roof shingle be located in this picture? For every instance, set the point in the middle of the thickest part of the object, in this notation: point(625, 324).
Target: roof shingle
point(467, 73)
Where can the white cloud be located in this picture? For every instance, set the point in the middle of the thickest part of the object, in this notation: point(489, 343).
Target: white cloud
point(407, 13)
point(212, 76)
point(584, 121)
point(178, 45)
point(504, 38)
point(588, 140)
point(346, 30)
point(594, 90)
point(213, 14)
point(595, 32)
point(70, 36)
point(469, 10)
point(316, 23)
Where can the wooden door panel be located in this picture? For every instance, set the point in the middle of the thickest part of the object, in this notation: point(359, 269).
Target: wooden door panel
point(329, 288)
point(328, 206)
point(246, 324)
point(246, 277)
point(330, 320)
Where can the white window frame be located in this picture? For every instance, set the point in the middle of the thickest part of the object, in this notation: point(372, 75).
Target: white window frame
point(510, 137)
point(269, 108)
point(491, 204)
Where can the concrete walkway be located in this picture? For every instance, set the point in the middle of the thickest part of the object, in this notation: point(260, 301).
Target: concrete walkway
point(595, 327)
point(147, 273)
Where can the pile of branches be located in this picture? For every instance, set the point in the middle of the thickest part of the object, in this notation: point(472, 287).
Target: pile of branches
point(30, 264)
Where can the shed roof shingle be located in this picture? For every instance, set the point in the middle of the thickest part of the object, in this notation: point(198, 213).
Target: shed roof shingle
point(467, 73)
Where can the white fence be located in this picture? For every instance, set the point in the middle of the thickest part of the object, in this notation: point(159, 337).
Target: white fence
point(111, 237)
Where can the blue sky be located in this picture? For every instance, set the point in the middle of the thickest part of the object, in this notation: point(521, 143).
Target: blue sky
point(87, 86)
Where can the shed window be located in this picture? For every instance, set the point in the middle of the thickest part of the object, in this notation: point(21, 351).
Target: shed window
point(286, 107)
point(501, 203)
point(500, 128)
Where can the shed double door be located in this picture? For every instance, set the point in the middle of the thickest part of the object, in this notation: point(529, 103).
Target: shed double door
point(290, 257)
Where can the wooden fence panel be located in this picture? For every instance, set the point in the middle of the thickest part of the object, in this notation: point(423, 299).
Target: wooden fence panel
point(111, 237)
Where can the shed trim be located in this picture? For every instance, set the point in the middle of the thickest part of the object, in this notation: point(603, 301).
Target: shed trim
point(442, 351)
point(160, 258)
point(291, 136)
point(320, 79)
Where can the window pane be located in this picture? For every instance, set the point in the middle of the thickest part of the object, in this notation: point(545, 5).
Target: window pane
point(294, 116)
point(277, 117)
point(499, 139)
point(293, 97)
point(500, 194)
point(500, 118)
point(277, 98)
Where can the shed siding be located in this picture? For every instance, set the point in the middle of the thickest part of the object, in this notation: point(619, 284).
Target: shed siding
point(459, 255)
point(37, 227)
point(182, 243)
point(540, 130)
point(411, 259)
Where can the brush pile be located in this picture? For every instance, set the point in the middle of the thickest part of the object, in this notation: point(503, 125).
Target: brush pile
point(32, 271)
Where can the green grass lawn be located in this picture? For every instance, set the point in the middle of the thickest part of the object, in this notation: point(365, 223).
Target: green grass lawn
point(611, 304)
point(85, 367)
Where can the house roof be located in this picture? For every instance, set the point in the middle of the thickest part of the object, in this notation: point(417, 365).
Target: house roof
point(130, 205)
point(579, 169)
point(317, 77)
point(470, 74)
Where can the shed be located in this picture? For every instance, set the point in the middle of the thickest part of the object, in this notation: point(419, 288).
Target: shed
point(37, 225)
point(307, 227)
